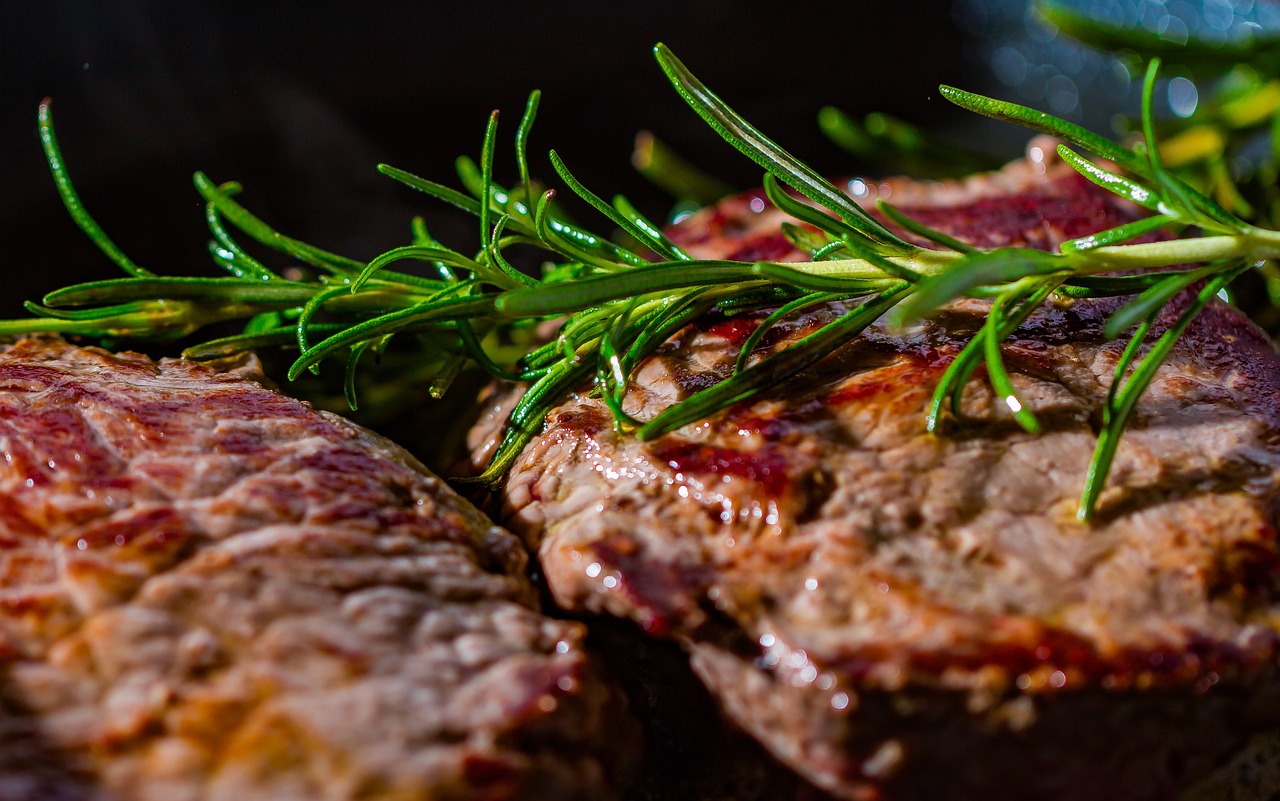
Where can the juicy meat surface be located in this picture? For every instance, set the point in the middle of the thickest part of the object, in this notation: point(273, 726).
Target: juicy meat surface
point(211, 591)
point(895, 614)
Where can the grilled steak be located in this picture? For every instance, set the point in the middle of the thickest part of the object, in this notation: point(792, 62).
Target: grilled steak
point(899, 615)
point(211, 591)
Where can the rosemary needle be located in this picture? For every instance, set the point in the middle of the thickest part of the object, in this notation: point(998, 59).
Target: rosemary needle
point(613, 305)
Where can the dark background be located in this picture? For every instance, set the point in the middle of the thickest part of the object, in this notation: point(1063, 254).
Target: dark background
point(299, 102)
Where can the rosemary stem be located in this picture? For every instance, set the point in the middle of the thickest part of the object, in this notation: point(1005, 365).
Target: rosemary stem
point(1254, 246)
point(923, 261)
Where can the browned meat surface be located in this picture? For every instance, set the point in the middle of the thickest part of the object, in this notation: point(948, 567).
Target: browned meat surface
point(900, 615)
point(211, 591)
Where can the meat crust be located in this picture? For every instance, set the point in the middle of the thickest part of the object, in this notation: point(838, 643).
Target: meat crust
point(895, 614)
point(211, 591)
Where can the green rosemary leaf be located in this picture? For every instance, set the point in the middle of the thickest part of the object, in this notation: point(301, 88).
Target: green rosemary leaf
point(430, 311)
point(774, 368)
point(613, 370)
point(778, 315)
point(760, 149)
point(804, 212)
point(513, 277)
point(388, 279)
point(1124, 363)
point(265, 321)
point(486, 180)
point(869, 254)
point(472, 179)
point(159, 319)
point(593, 291)
point(423, 238)
point(752, 298)
point(1078, 135)
point(1126, 400)
point(1153, 299)
point(919, 229)
point(833, 250)
point(1103, 286)
point(587, 247)
point(308, 311)
point(213, 290)
point(577, 244)
point(980, 269)
point(656, 244)
point(804, 239)
point(1174, 193)
point(951, 386)
point(522, 148)
point(1111, 182)
point(438, 191)
point(225, 250)
point(451, 196)
point(1177, 191)
point(349, 378)
point(226, 260)
point(241, 218)
point(996, 371)
point(252, 341)
point(46, 325)
point(583, 247)
point(445, 375)
point(680, 310)
point(585, 326)
point(848, 238)
point(1117, 235)
point(673, 251)
point(659, 163)
point(611, 373)
point(95, 313)
point(819, 282)
point(1045, 123)
point(71, 199)
point(433, 255)
point(529, 413)
point(539, 357)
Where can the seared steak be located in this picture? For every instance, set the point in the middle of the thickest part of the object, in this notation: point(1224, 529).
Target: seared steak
point(895, 614)
point(211, 591)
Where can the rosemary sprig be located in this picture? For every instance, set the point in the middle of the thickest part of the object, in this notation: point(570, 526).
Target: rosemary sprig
point(1229, 148)
point(614, 306)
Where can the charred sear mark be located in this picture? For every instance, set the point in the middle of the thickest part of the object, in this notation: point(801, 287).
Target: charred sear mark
point(687, 379)
point(812, 490)
point(1248, 573)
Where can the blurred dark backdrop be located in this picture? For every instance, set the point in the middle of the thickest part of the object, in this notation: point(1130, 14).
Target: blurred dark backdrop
point(300, 101)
